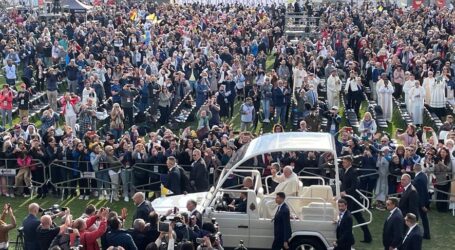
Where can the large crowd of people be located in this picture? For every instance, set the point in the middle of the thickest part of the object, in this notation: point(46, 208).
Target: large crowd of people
point(147, 58)
point(57, 228)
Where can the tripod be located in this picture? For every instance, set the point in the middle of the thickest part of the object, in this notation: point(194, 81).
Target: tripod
point(20, 239)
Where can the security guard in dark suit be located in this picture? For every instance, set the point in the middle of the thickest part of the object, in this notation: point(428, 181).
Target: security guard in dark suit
point(349, 185)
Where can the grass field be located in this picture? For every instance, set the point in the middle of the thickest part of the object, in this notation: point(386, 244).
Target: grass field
point(442, 226)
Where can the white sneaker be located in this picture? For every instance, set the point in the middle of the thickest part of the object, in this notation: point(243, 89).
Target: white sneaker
point(86, 197)
point(26, 195)
point(101, 197)
point(81, 197)
point(126, 199)
point(7, 195)
point(116, 198)
point(11, 195)
point(95, 193)
point(266, 121)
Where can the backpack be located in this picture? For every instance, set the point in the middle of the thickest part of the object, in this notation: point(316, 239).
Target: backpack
point(184, 181)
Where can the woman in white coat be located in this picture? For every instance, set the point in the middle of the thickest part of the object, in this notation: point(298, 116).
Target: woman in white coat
point(417, 96)
point(333, 89)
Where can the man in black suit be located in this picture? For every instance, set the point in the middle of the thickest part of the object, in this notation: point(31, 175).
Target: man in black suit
point(173, 181)
point(392, 234)
point(421, 184)
point(239, 205)
point(144, 207)
point(192, 211)
point(413, 238)
point(199, 175)
point(30, 225)
point(281, 224)
point(409, 202)
point(349, 185)
point(345, 238)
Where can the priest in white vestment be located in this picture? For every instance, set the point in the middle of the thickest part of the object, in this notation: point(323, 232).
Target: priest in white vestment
point(417, 95)
point(385, 100)
point(333, 89)
point(427, 83)
point(438, 96)
point(407, 86)
point(381, 82)
point(299, 74)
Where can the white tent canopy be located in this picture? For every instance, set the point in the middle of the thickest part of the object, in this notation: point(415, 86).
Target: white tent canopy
point(76, 6)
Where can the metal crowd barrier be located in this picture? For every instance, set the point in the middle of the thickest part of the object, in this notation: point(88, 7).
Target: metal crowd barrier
point(64, 176)
point(9, 170)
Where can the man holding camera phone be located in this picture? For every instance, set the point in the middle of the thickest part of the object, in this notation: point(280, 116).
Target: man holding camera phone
point(48, 230)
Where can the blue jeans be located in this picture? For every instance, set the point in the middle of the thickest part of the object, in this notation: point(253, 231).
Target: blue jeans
point(127, 183)
point(6, 113)
point(266, 109)
point(103, 180)
point(11, 82)
point(117, 133)
point(193, 86)
point(281, 114)
point(143, 106)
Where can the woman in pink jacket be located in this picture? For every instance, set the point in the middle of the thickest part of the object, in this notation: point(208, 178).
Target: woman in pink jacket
point(24, 161)
point(6, 105)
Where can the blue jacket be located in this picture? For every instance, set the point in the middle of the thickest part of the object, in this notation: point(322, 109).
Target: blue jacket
point(279, 99)
point(30, 225)
point(201, 94)
point(117, 88)
point(72, 72)
point(420, 182)
point(376, 74)
point(120, 238)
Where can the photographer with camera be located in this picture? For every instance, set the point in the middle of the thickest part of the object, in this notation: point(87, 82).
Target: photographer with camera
point(209, 242)
point(167, 236)
point(4, 227)
point(47, 231)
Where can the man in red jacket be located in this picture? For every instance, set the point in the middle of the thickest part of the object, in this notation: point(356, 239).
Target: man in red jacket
point(89, 239)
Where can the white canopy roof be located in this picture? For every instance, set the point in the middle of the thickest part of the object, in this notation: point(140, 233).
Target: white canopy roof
point(284, 142)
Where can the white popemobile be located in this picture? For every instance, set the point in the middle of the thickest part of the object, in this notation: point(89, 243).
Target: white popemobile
point(313, 208)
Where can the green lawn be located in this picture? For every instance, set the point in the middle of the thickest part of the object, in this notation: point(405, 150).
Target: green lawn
point(442, 226)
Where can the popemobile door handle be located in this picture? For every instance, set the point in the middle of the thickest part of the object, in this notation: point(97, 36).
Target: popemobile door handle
point(243, 226)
